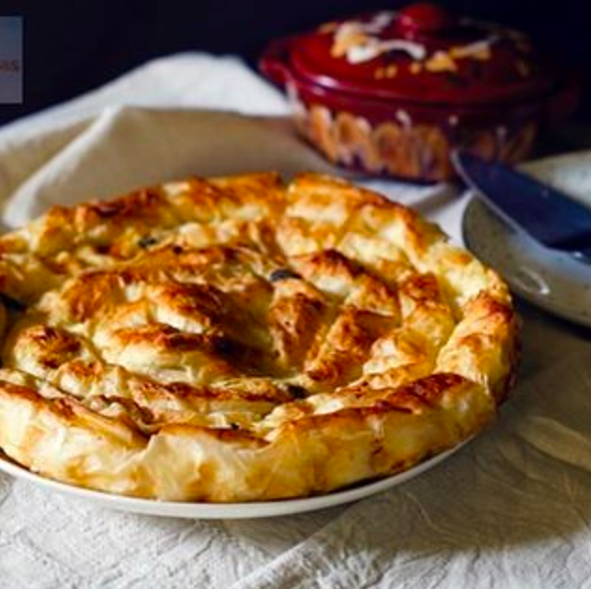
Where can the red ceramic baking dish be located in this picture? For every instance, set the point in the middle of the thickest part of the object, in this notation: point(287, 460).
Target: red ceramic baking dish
point(394, 92)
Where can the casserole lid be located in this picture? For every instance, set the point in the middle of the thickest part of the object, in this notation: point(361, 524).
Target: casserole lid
point(424, 54)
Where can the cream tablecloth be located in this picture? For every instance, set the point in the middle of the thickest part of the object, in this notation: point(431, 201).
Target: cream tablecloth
point(511, 509)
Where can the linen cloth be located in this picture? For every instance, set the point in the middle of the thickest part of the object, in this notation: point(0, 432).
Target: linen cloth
point(510, 509)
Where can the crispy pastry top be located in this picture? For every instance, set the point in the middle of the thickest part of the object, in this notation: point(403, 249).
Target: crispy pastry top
point(240, 339)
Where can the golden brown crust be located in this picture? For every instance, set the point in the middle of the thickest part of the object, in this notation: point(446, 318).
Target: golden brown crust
point(237, 339)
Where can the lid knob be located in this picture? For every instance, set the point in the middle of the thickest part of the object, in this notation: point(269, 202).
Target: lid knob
point(423, 18)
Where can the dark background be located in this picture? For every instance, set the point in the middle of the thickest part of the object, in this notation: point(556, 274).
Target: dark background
point(73, 46)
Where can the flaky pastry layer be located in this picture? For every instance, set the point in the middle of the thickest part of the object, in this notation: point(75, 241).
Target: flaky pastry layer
point(239, 339)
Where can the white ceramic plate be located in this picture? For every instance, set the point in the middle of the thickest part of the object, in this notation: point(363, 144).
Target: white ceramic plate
point(552, 280)
point(222, 510)
point(229, 151)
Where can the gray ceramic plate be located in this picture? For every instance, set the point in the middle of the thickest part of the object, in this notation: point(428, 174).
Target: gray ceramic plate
point(555, 281)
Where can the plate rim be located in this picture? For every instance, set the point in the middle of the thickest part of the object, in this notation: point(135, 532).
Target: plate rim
point(245, 510)
point(468, 237)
